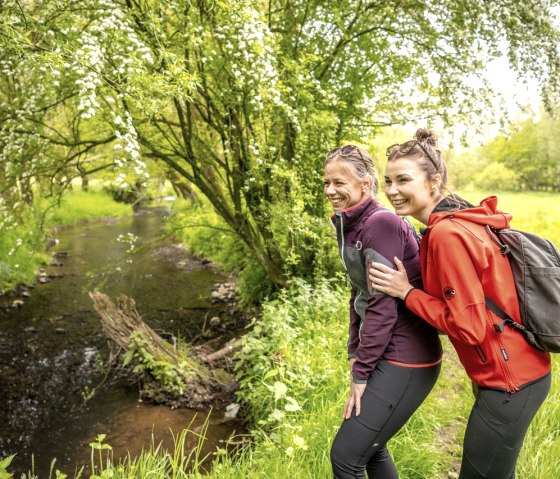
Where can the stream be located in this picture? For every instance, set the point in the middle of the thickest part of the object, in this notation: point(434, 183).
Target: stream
point(54, 397)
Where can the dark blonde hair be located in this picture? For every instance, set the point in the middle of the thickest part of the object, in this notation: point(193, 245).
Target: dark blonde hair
point(360, 161)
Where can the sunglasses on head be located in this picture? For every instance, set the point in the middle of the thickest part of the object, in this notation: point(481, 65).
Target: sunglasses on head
point(345, 151)
point(408, 146)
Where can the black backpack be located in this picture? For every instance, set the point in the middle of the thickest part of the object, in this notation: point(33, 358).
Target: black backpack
point(535, 263)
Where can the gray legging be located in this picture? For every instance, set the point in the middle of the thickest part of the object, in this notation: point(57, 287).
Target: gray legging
point(496, 429)
point(391, 396)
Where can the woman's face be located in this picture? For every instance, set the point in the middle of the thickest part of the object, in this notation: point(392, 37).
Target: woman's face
point(408, 189)
point(342, 187)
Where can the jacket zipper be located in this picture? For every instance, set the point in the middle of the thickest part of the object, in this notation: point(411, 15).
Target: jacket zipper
point(480, 353)
point(346, 270)
point(503, 357)
point(361, 320)
point(342, 241)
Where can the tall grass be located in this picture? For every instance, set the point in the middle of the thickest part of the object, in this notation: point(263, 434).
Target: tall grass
point(21, 249)
point(538, 212)
point(77, 206)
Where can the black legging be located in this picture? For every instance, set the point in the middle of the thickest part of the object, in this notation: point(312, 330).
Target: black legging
point(391, 396)
point(496, 429)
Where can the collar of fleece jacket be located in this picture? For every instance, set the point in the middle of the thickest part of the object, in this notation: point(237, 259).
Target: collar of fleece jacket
point(353, 215)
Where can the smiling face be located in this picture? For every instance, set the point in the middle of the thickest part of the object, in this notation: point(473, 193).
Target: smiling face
point(410, 191)
point(342, 186)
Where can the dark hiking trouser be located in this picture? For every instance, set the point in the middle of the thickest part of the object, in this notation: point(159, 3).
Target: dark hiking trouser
point(496, 429)
point(391, 396)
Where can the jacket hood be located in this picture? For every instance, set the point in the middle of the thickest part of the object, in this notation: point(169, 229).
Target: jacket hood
point(486, 213)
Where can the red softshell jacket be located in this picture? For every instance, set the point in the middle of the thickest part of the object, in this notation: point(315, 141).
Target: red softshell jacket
point(460, 265)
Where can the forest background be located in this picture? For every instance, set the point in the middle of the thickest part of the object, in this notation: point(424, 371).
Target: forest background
point(231, 105)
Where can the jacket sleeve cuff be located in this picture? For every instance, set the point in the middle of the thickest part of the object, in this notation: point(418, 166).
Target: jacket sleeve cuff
point(407, 294)
point(356, 380)
point(351, 355)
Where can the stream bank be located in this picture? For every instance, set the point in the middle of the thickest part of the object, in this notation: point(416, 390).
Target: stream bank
point(53, 355)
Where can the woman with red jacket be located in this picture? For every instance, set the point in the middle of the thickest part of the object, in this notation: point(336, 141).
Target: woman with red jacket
point(461, 265)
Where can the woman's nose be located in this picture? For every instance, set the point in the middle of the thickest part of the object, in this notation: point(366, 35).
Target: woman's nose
point(390, 189)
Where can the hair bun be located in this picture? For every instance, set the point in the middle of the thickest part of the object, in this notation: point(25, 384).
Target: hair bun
point(427, 136)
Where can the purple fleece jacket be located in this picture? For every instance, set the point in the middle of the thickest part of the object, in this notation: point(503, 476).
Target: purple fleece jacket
point(381, 327)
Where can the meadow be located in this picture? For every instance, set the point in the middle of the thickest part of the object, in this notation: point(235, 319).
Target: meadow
point(294, 378)
point(23, 239)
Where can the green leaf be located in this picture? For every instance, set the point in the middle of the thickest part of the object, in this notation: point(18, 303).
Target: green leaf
point(277, 415)
point(292, 405)
point(280, 390)
point(271, 373)
point(4, 463)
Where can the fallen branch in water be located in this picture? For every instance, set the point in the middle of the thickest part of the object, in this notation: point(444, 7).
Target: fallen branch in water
point(168, 374)
point(231, 347)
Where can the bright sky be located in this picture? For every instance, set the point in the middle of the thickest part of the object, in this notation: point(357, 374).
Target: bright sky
point(505, 80)
point(517, 94)
point(520, 98)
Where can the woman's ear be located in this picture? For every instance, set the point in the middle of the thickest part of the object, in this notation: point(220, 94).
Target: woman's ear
point(436, 182)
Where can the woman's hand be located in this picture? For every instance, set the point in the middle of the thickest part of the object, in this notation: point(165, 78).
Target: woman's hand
point(388, 281)
point(356, 393)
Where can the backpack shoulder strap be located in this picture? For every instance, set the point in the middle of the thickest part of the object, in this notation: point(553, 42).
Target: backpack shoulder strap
point(507, 320)
point(495, 237)
point(410, 224)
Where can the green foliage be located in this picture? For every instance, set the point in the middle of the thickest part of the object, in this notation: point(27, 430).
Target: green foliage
point(22, 245)
point(243, 98)
point(463, 166)
point(205, 233)
point(160, 374)
point(76, 206)
point(132, 194)
point(181, 462)
point(285, 359)
point(100, 446)
point(525, 158)
point(496, 177)
point(4, 464)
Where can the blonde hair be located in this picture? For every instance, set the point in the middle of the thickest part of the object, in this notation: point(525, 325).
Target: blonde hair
point(359, 160)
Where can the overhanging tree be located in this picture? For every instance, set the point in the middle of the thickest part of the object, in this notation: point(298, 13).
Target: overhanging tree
point(242, 98)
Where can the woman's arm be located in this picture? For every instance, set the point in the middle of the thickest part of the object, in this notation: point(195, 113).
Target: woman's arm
point(458, 266)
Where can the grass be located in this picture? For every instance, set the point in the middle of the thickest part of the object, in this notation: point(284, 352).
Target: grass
point(538, 212)
point(294, 381)
point(78, 206)
point(21, 249)
point(25, 232)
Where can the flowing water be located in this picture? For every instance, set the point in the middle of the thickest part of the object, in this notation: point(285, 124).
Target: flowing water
point(54, 399)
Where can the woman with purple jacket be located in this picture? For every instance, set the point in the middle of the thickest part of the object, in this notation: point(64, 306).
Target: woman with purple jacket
point(394, 356)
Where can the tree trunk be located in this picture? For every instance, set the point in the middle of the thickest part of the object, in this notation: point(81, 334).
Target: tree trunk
point(192, 384)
